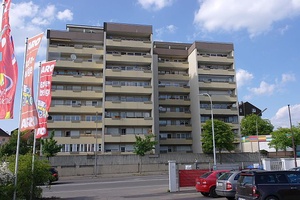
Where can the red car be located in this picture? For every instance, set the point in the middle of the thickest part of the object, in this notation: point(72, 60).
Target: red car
point(206, 183)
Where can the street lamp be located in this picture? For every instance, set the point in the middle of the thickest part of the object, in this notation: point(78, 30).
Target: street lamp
point(212, 127)
point(259, 161)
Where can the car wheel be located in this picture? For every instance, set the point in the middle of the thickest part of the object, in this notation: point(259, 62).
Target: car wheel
point(271, 198)
point(212, 192)
point(206, 194)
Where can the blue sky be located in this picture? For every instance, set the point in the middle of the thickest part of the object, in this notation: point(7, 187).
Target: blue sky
point(265, 34)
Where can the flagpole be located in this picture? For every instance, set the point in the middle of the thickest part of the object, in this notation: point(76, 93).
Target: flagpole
point(34, 136)
point(20, 115)
point(3, 5)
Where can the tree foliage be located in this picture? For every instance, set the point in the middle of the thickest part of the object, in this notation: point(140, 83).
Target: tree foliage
point(248, 126)
point(26, 178)
point(10, 147)
point(50, 147)
point(282, 138)
point(224, 136)
point(142, 146)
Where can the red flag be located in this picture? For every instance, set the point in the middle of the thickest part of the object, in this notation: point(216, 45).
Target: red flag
point(29, 118)
point(44, 100)
point(8, 67)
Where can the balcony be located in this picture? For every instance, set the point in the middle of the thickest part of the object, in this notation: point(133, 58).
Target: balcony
point(173, 89)
point(77, 49)
point(79, 64)
point(175, 128)
point(219, 111)
point(174, 102)
point(73, 124)
point(180, 115)
point(175, 77)
point(128, 89)
point(139, 75)
point(175, 141)
point(129, 105)
point(77, 94)
point(133, 44)
point(68, 109)
point(219, 98)
point(173, 65)
point(120, 138)
point(217, 85)
point(216, 59)
point(228, 72)
point(118, 58)
point(117, 121)
point(83, 80)
point(79, 140)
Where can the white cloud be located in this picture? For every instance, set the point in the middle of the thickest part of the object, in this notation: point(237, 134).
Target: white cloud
point(66, 15)
point(270, 88)
point(255, 17)
point(287, 78)
point(154, 4)
point(243, 77)
point(167, 29)
point(282, 119)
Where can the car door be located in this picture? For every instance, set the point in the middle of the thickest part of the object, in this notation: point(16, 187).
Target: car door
point(294, 186)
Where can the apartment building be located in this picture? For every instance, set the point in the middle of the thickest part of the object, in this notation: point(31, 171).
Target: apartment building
point(114, 82)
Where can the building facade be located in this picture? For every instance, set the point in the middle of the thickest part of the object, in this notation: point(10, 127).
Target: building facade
point(113, 82)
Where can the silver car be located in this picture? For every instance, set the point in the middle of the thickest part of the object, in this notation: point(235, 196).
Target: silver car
point(226, 184)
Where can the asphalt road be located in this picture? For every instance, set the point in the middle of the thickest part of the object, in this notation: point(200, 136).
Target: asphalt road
point(150, 187)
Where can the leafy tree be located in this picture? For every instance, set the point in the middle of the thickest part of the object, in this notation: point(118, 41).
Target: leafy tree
point(50, 147)
point(282, 138)
point(248, 125)
point(26, 178)
point(142, 146)
point(10, 147)
point(224, 137)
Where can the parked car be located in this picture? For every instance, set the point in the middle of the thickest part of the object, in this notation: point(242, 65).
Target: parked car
point(206, 183)
point(295, 169)
point(54, 175)
point(226, 184)
point(268, 185)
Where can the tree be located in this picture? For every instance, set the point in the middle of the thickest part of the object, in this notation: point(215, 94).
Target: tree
point(27, 179)
point(248, 126)
point(50, 147)
point(10, 147)
point(142, 146)
point(282, 138)
point(224, 137)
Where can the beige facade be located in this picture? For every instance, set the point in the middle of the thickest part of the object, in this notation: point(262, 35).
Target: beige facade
point(114, 82)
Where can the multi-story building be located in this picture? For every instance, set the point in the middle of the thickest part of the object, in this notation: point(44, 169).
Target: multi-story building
point(114, 82)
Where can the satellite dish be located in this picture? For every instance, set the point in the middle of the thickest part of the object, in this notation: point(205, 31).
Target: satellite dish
point(73, 56)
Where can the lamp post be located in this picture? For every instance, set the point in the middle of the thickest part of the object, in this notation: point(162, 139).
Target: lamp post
point(259, 161)
point(293, 139)
point(212, 128)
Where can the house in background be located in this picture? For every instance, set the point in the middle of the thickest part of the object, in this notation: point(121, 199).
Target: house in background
point(246, 108)
point(4, 137)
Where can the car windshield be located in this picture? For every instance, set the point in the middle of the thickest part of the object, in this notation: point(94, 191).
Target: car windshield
point(225, 176)
point(206, 175)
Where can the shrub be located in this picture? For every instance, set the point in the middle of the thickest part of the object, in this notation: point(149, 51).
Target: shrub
point(6, 182)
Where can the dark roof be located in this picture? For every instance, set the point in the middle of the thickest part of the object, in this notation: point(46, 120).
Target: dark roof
point(3, 133)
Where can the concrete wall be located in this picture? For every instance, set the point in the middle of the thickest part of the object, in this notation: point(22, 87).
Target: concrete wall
point(78, 165)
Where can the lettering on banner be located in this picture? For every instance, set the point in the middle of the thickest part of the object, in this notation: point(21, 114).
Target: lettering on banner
point(47, 69)
point(45, 84)
point(44, 93)
point(29, 122)
point(34, 43)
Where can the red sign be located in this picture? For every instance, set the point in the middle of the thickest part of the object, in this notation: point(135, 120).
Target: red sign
point(44, 100)
point(29, 120)
point(8, 67)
